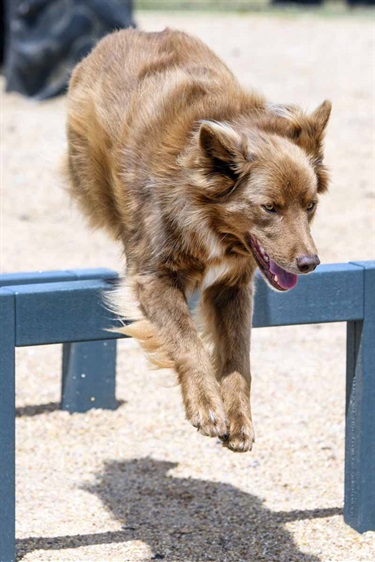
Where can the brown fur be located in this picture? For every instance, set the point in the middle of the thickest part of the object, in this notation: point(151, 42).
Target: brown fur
point(174, 159)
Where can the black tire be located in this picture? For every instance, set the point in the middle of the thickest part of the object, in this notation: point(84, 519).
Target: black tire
point(48, 37)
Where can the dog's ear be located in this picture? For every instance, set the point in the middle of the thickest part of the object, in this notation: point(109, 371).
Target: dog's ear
point(223, 154)
point(306, 131)
point(320, 116)
point(319, 120)
point(216, 160)
point(292, 122)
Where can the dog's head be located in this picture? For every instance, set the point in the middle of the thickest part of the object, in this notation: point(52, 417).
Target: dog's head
point(259, 188)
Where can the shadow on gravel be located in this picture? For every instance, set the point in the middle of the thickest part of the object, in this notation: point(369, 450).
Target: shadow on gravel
point(38, 409)
point(185, 519)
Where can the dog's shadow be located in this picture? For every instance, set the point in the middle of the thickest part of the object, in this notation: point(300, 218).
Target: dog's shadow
point(186, 519)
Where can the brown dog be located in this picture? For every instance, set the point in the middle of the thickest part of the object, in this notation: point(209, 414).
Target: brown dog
point(202, 182)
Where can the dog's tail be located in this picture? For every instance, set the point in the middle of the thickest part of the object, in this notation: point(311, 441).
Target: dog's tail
point(123, 302)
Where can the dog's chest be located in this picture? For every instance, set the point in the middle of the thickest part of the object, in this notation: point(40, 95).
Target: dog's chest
point(217, 272)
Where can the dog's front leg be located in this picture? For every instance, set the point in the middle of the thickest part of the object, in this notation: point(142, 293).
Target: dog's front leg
point(227, 312)
point(164, 305)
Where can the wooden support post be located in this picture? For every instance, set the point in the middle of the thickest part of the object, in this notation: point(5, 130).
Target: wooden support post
point(89, 376)
point(7, 426)
point(359, 510)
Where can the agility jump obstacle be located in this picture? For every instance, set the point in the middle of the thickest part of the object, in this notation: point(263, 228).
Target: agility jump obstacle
point(67, 307)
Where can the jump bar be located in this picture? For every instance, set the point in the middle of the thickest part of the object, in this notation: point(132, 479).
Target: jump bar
point(73, 310)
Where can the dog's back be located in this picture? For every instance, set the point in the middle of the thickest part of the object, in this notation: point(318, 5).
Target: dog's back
point(138, 90)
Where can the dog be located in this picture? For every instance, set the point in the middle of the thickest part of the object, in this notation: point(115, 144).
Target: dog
point(202, 182)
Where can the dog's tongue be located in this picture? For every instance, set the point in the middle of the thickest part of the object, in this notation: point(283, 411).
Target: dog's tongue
point(286, 280)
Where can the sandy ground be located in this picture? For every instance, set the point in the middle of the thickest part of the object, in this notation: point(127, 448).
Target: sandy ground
point(139, 483)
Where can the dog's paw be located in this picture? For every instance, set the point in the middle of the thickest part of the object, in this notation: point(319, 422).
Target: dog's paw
point(209, 420)
point(241, 436)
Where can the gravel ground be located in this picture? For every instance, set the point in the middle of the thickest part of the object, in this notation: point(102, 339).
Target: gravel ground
point(139, 483)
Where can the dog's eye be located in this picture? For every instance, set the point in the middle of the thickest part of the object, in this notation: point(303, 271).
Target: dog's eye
point(310, 206)
point(269, 208)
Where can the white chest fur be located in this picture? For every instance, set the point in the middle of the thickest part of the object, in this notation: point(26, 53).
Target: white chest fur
point(215, 273)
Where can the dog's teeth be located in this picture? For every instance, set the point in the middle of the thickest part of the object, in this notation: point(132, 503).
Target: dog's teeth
point(276, 279)
point(266, 258)
point(262, 250)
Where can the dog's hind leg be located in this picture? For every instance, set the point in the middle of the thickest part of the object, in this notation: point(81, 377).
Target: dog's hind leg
point(226, 314)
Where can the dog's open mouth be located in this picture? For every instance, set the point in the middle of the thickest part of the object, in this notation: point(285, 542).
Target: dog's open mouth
point(276, 276)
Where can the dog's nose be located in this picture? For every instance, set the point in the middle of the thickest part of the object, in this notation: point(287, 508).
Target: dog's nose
point(307, 263)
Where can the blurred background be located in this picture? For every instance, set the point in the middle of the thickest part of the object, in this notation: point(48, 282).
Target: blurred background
point(42, 40)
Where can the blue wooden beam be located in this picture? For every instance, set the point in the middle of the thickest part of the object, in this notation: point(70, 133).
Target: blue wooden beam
point(33, 277)
point(45, 312)
point(62, 312)
point(333, 293)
